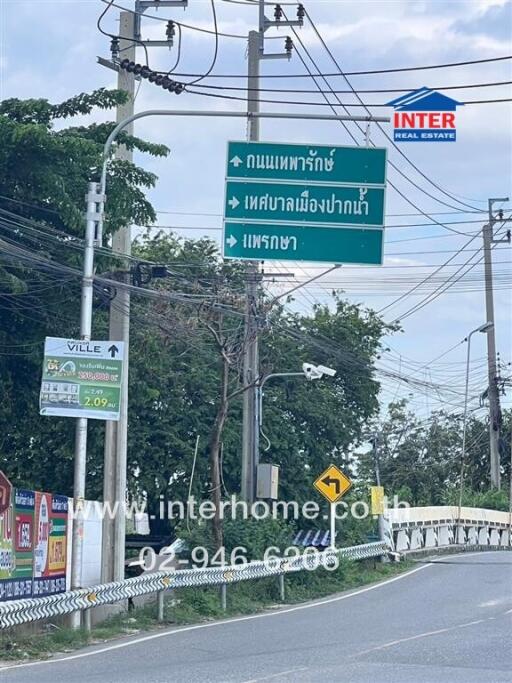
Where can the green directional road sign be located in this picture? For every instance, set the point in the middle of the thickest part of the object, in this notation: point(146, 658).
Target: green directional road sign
point(292, 203)
point(254, 241)
point(312, 163)
point(81, 378)
point(304, 202)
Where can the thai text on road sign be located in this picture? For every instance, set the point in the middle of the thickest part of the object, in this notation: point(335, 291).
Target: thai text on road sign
point(294, 202)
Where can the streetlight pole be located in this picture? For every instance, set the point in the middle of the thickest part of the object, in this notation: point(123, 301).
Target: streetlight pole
point(485, 328)
point(94, 201)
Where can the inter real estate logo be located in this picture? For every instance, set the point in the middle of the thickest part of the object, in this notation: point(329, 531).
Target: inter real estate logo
point(424, 115)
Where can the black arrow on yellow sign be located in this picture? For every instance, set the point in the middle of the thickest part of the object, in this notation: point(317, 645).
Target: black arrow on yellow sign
point(332, 484)
point(329, 481)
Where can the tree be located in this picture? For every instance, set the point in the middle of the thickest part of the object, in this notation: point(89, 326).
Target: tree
point(186, 338)
point(420, 460)
point(308, 424)
point(44, 173)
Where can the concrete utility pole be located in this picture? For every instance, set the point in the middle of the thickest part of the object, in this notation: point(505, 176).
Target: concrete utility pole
point(250, 426)
point(494, 399)
point(93, 200)
point(116, 433)
point(250, 430)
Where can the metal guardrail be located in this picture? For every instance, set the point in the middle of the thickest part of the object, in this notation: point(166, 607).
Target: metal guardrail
point(406, 531)
point(22, 611)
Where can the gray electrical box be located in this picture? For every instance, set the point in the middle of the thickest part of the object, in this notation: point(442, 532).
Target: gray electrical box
point(268, 481)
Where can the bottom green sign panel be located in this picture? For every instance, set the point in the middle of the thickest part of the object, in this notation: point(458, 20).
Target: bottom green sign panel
point(297, 243)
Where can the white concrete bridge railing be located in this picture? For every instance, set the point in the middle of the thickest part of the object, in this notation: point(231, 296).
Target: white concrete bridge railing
point(416, 528)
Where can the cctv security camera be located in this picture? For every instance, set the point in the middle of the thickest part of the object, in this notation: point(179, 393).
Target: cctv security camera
point(307, 369)
point(311, 371)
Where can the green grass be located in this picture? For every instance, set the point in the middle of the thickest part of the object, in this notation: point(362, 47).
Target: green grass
point(195, 605)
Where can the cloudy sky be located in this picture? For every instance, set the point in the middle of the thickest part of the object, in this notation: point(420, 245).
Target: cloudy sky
point(49, 49)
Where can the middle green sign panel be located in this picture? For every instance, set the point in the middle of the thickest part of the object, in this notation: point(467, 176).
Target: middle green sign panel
point(312, 204)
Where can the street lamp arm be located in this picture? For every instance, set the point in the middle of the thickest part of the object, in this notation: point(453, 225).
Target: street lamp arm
point(279, 374)
point(485, 328)
point(260, 395)
point(209, 114)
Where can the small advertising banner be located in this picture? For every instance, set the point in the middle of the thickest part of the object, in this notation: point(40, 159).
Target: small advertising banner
point(50, 547)
point(7, 562)
point(81, 378)
point(24, 507)
point(33, 543)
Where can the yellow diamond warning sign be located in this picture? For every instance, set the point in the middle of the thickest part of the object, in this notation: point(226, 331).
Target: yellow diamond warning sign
point(332, 484)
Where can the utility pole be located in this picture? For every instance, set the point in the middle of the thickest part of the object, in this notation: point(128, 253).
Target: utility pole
point(494, 400)
point(93, 200)
point(250, 430)
point(250, 427)
point(116, 433)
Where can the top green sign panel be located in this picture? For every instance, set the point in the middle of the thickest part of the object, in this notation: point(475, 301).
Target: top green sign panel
point(310, 163)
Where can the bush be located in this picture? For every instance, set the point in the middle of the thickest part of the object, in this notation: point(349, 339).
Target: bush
point(255, 535)
point(491, 500)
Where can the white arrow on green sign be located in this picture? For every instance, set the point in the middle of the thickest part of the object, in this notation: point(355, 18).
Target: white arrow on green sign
point(304, 202)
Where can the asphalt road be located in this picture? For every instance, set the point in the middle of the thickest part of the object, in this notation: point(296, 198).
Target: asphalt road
point(450, 621)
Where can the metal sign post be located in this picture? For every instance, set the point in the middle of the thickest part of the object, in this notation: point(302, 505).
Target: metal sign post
point(332, 484)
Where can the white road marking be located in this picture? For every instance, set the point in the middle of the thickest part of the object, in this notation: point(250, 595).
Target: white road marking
point(422, 635)
point(495, 603)
point(281, 673)
point(197, 627)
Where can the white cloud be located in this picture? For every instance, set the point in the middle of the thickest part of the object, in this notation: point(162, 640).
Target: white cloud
point(49, 50)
